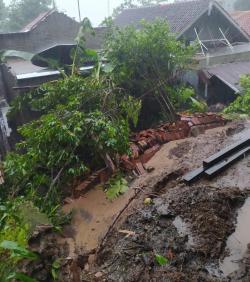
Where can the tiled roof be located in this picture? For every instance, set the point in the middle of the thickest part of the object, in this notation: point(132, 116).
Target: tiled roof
point(37, 20)
point(243, 19)
point(179, 15)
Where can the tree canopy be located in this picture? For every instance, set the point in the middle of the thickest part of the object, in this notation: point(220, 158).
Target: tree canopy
point(242, 5)
point(21, 12)
point(146, 63)
point(134, 4)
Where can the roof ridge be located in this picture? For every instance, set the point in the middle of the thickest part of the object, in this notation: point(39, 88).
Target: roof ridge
point(167, 4)
point(42, 16)
point(238, 11)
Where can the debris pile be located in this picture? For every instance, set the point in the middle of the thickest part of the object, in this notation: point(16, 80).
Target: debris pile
point(145, 144)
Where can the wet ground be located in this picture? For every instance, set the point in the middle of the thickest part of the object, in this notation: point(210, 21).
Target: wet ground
point(92, 215)
point(203, 230)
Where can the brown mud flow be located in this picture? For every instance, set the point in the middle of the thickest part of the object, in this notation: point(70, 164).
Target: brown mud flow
point(92, 215)
point(191, 226)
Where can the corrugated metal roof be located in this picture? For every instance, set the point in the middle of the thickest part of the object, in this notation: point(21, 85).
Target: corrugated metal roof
point(19, 66)
point(230, 73)
point(243, 19)
point(48, 73)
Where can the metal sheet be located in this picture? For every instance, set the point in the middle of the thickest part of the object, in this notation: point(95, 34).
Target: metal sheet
point(230, 73)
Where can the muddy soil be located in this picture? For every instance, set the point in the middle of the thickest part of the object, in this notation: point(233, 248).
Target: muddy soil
point(191, 226)
point(202, 230)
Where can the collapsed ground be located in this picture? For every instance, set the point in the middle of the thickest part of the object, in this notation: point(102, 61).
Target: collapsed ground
point(197, 228)
point(189, 225)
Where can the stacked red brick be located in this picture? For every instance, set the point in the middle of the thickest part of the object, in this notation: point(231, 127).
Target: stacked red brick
point(146, 143)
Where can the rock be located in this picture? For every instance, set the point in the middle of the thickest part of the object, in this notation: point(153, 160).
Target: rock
point(91, 259)
point(150, 169)
point(99, 274)
point(163, 210)
point(86, 267)
point(148, 201)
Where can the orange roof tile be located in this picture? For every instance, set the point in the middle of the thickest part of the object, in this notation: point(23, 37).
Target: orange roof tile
point(243, 19)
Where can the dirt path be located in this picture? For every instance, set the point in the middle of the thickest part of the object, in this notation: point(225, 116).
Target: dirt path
point(192, 226)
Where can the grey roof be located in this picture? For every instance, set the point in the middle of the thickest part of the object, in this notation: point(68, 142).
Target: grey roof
point(230, 73)
point(96, 41)
point(178, 15)
point(35, 22)
point(19, 66)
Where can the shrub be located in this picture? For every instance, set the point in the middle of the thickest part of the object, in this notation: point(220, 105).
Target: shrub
point(242, 103)
point(84, 122)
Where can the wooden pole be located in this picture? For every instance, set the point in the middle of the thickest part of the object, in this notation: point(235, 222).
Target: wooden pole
point(79, 10)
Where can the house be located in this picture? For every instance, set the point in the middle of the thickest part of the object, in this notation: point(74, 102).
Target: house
point(243, 19)
point(202, 20)
point(227, 4)
point(48, 29)
point(221, 39)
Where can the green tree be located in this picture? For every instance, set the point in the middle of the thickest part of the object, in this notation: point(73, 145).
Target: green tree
point(84, 124)
point(242, 5)
point(146, 62)
point(3, 12)
point(127, 4)
point(21, 12)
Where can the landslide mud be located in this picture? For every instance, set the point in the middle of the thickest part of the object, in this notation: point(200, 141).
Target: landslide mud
point(189, 225)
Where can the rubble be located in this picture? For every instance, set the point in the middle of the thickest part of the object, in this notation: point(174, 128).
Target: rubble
point(145, 144)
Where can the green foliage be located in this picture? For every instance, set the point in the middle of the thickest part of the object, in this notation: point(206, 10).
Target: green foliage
point(18, 276)
point(18, 251)
point(14, 233)
point(82, 120)
point(2, 15)
point(56, 265)
point(128, 4)
point(145, 62)
point(162, 261)
point(242, 5)
point(21, 12)
point(198, 106)
point(242, 103)
point(116, 186)
point(183, 99)
point(81, 54)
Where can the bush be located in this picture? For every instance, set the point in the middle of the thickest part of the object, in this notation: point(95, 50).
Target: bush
point(84, 122)
point(15, 228)
point(242, 103)
point(146, 62)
